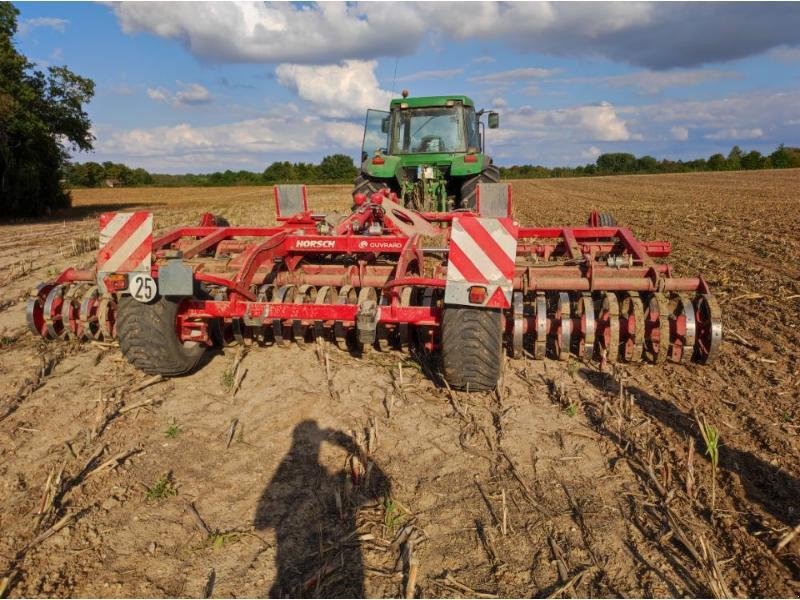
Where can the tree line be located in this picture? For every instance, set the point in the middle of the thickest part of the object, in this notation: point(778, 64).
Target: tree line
point(336, 168)
point(42, 119)
point(622, 163)
point(339, 168)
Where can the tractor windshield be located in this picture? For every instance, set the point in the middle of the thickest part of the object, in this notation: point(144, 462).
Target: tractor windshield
point(420, 130)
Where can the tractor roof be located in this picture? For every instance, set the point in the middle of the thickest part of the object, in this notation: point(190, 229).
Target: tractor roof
point(425, 101)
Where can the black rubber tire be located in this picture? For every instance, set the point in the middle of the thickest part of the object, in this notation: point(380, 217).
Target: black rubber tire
point(606, 220)
point(472, 347)
point(364, 185)
point(148, 340)
point(221, 221)
point(469, 189)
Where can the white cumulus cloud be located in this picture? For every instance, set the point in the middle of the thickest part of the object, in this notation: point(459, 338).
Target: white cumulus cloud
point(679, 133)
point(187, 94)
point(434, 74)
point(592, 123)
point(54, 23)
point(591, 153)
point(251, 142)
point(654, 35)
point(278, 32)
point(513, 75)
point(733, 133)
point(343, 90)
point(655, 82)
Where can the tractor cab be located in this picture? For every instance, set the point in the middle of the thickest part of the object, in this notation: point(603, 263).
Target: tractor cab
point(426, 150)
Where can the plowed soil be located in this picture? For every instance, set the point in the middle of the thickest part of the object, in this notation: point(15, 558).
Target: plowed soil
point(567, 482)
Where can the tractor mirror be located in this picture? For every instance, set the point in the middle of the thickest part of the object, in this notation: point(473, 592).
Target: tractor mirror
point(494, 120)
point(385, 125)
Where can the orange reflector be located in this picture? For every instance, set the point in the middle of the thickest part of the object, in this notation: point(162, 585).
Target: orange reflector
point(470, 158)
point(477, 294)
point(116, 282)
point(378, 160)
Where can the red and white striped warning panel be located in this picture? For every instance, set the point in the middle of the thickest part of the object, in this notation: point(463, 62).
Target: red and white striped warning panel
point(482, 252)
point(126, 242)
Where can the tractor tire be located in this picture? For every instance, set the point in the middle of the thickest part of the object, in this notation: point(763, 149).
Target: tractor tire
point(148, 339)
point(364, 185)
point(469, 189)
point(472, 347)
point(607, 220)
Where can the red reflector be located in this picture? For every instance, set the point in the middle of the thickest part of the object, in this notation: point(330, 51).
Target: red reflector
point(378, 160)
point(470, 158)
point(116, 282)
point(477, 294)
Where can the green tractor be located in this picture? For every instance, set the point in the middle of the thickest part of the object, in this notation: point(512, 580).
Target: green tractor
point(428, 150)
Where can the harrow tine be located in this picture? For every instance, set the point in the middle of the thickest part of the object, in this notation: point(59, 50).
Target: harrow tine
point(425, 334)
point(285, 294)
point(325, 295)
point(34, 310)
point(632, 330)
point(684, 329)
point(564, 327)
point(540, 316)
point(266, 293)
point(584, 309)
point(347, 295)
point(52, 312)
point(238, 331)
point(306, 294)
point(70, 312)
point(515, 346)
point(107, 317)
point(366, 294)
point(404, 329)
point(384, 335)
point(708, 317)
point(608, 325)
point(657, 328)
point(88, 314)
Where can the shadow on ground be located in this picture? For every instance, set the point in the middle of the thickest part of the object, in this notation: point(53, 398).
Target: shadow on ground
point(318, 551)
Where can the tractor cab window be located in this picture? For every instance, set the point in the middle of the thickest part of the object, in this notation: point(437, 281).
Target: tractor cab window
point(376, 133)
point(420, 130)
point(473, 140)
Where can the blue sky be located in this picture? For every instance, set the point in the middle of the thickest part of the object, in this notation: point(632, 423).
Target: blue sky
point(187, 87)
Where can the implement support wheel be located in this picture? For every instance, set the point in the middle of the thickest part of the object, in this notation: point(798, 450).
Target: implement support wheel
point(148, 339)
point(472, 347)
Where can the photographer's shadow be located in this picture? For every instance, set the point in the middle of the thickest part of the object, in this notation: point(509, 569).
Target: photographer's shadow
point(318, 552)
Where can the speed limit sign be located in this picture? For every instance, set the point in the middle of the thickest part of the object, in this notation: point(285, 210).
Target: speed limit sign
point(142, 287)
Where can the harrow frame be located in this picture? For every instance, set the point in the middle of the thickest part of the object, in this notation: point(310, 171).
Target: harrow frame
point(372, 279)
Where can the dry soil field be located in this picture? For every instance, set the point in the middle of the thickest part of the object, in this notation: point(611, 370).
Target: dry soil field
point(568, 482)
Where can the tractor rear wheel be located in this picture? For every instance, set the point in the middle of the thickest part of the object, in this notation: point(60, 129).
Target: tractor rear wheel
point(469, 189)
point(607, 220)
point(148, 339)
point(472, 347)
point(364, 185)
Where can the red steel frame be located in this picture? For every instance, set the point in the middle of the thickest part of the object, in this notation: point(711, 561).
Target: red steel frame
point(297, 248)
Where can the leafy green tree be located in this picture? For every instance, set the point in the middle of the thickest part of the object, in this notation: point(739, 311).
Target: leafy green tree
point(717, 162)
point(279, 172)
point(41, 119)
point(781, 158)
point(735, 159)
point(753, 160)
point(337, 167)
point(646, 164)
point(616, 162)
